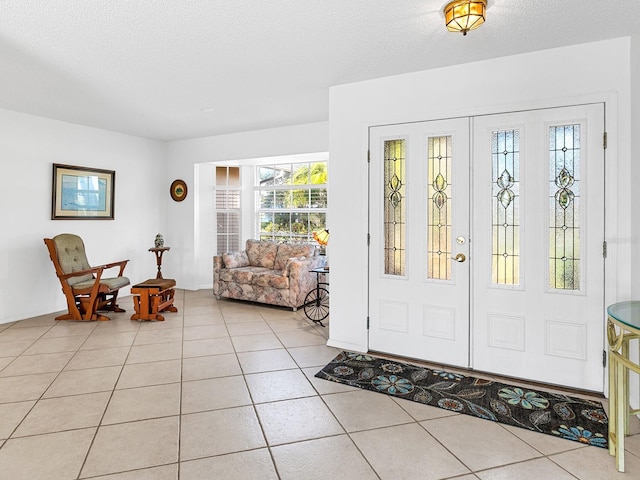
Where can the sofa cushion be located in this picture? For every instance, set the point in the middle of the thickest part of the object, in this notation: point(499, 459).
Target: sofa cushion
point(290, 250)
point(261, 254)
point(271, 278)
point(241, 275)
point(235, 260)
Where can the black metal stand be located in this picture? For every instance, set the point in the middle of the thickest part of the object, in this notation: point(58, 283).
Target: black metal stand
point(316, 303)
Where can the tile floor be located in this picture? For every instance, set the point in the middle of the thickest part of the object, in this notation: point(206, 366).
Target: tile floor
point(226, 390)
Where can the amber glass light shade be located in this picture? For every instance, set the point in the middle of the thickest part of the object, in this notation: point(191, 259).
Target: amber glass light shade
point(465, 15)
point(322, 237)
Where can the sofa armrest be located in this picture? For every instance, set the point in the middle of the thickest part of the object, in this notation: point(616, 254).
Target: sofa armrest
point(297, 267)
point(301, 279)
point(218, 264)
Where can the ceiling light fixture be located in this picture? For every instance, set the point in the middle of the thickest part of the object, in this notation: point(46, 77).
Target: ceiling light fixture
point(465, 15)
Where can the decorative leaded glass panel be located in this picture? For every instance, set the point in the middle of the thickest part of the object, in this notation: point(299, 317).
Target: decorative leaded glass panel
point(439, 208)
point(394, 207)
point(505, 179)
point(564, 207)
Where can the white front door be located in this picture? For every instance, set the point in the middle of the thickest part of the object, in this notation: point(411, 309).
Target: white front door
point(419, 296)
point(538, 266)
point(524, 204)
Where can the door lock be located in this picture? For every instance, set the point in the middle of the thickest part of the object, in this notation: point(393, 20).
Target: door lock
point(459, 258)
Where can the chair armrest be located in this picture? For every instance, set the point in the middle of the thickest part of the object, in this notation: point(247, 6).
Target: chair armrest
point(121, 264)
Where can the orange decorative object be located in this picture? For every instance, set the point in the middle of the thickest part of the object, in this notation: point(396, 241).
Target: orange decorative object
point(322, 237)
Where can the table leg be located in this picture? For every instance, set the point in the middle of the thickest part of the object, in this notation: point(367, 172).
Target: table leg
point(159, 264)
point(612, 404)
point(621, 408)
point(156, 308)
point(625, 386)
point(167, 301)
point(142, 310)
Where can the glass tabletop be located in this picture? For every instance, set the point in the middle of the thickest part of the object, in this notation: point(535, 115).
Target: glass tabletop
point(626, 312)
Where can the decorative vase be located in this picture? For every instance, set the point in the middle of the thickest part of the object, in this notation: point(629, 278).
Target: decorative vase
point(159, 241)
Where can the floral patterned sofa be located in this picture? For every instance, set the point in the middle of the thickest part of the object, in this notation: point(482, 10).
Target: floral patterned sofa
point(267, 272)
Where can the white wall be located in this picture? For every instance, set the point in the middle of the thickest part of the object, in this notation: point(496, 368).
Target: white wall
point(29, 146)
point(190, 221)
point(591, 72)
point(634, 200)
point(634, 203)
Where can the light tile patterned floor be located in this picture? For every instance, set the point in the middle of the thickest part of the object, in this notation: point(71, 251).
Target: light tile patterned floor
point(226, 390)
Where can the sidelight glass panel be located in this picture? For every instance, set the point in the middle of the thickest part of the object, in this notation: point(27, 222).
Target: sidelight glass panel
point(439, 184)
point(564, 207)
point(394, 207)
point(505, 251)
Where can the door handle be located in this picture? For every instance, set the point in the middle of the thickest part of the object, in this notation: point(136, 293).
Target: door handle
point(459, 258)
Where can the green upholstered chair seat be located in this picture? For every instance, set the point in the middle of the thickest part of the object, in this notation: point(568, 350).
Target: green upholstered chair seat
point(111, 283)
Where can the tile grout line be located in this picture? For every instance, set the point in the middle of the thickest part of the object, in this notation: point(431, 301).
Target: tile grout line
point(115, 384)
point(179, 439)
point(35, 402)
point(255, 409)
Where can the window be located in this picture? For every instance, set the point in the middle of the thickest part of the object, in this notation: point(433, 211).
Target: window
point(394, 207)
point(564, 207)
point(439, 218)
point(505, 254)
point(291, 201)
point(227, 198)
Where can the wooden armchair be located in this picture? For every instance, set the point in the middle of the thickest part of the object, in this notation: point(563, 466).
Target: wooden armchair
point(85, 288)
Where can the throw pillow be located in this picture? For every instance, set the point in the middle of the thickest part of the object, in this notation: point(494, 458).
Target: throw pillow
point(235, 259)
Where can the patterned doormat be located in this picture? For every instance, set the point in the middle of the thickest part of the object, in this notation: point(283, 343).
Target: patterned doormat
point(555, 414)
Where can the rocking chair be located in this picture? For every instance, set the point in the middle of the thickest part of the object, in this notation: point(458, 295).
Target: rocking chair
point(83, 285)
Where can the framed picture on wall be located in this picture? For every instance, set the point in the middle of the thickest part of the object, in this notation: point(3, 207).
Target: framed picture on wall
point(81, 193)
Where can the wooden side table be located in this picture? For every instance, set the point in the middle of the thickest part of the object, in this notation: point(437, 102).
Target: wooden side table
point(158, 252)
point(152, 297)
point(623, 325)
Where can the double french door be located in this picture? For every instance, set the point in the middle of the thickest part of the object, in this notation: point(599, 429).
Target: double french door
point(486, 243)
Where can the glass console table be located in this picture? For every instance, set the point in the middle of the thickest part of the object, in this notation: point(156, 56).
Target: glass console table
point(623, 325)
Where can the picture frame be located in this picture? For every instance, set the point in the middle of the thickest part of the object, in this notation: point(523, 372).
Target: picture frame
point(82, 193)
point(178, 190)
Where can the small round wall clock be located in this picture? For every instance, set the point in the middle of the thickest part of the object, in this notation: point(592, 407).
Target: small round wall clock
point(178, 190)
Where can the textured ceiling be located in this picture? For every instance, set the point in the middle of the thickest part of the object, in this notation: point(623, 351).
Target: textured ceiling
point(176, 69)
